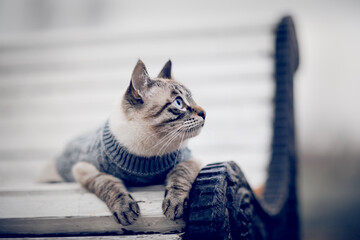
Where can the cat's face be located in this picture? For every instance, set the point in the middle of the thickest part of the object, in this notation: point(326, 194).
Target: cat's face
point(163, 108)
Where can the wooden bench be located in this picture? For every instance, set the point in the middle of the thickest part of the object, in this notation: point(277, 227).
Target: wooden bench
point(55, 86)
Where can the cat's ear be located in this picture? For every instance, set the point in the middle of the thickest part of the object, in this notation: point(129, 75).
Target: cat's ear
point(140, 79)
point(166, 71)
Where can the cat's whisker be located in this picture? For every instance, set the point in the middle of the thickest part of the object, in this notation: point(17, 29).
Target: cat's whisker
point(166, 137)
point(187, 125)
point(174, 135)
point(162, 140)
point(171, 139)
point(152, 135)
point(182, 139)
point(164, 148)
point(193, 124)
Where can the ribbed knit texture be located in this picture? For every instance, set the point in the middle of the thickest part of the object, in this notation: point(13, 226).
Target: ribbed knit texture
point(103, 150)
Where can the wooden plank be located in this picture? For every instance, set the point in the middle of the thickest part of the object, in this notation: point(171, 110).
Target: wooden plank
point(127, 33)
point(119, 237)
point(21, 172)
point(119, 77)
point(191, 64)
point(75, 211)
point(115, 52)
point(177, 48)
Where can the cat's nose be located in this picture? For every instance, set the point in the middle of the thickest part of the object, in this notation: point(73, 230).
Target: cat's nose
point(200, 112)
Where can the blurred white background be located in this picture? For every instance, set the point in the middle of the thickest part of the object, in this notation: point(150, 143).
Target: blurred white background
point(327, 85)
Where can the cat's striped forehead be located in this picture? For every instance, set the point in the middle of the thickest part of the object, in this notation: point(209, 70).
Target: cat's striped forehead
point(172, 88)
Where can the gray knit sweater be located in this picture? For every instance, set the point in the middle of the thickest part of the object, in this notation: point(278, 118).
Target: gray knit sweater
point(102, 150)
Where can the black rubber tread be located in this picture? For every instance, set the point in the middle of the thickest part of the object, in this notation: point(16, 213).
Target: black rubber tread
point(208, 217)
point(241, 214)
point(239, 197)
point(220, 204)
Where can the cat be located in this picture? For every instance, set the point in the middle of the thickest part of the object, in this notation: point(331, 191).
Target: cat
point(144, 142)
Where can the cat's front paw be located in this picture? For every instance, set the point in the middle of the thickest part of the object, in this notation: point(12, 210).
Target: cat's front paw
point(174, 204)
point(125, 209)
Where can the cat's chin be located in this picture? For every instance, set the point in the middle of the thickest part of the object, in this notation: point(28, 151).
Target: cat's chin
point(192, 132)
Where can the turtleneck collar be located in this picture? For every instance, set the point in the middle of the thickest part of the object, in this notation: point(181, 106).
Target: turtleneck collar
point(139, 165)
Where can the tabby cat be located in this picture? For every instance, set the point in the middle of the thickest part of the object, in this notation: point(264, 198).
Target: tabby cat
point(143, 143)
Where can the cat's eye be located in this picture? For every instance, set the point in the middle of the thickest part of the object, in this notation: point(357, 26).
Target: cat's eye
point(178, 103)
